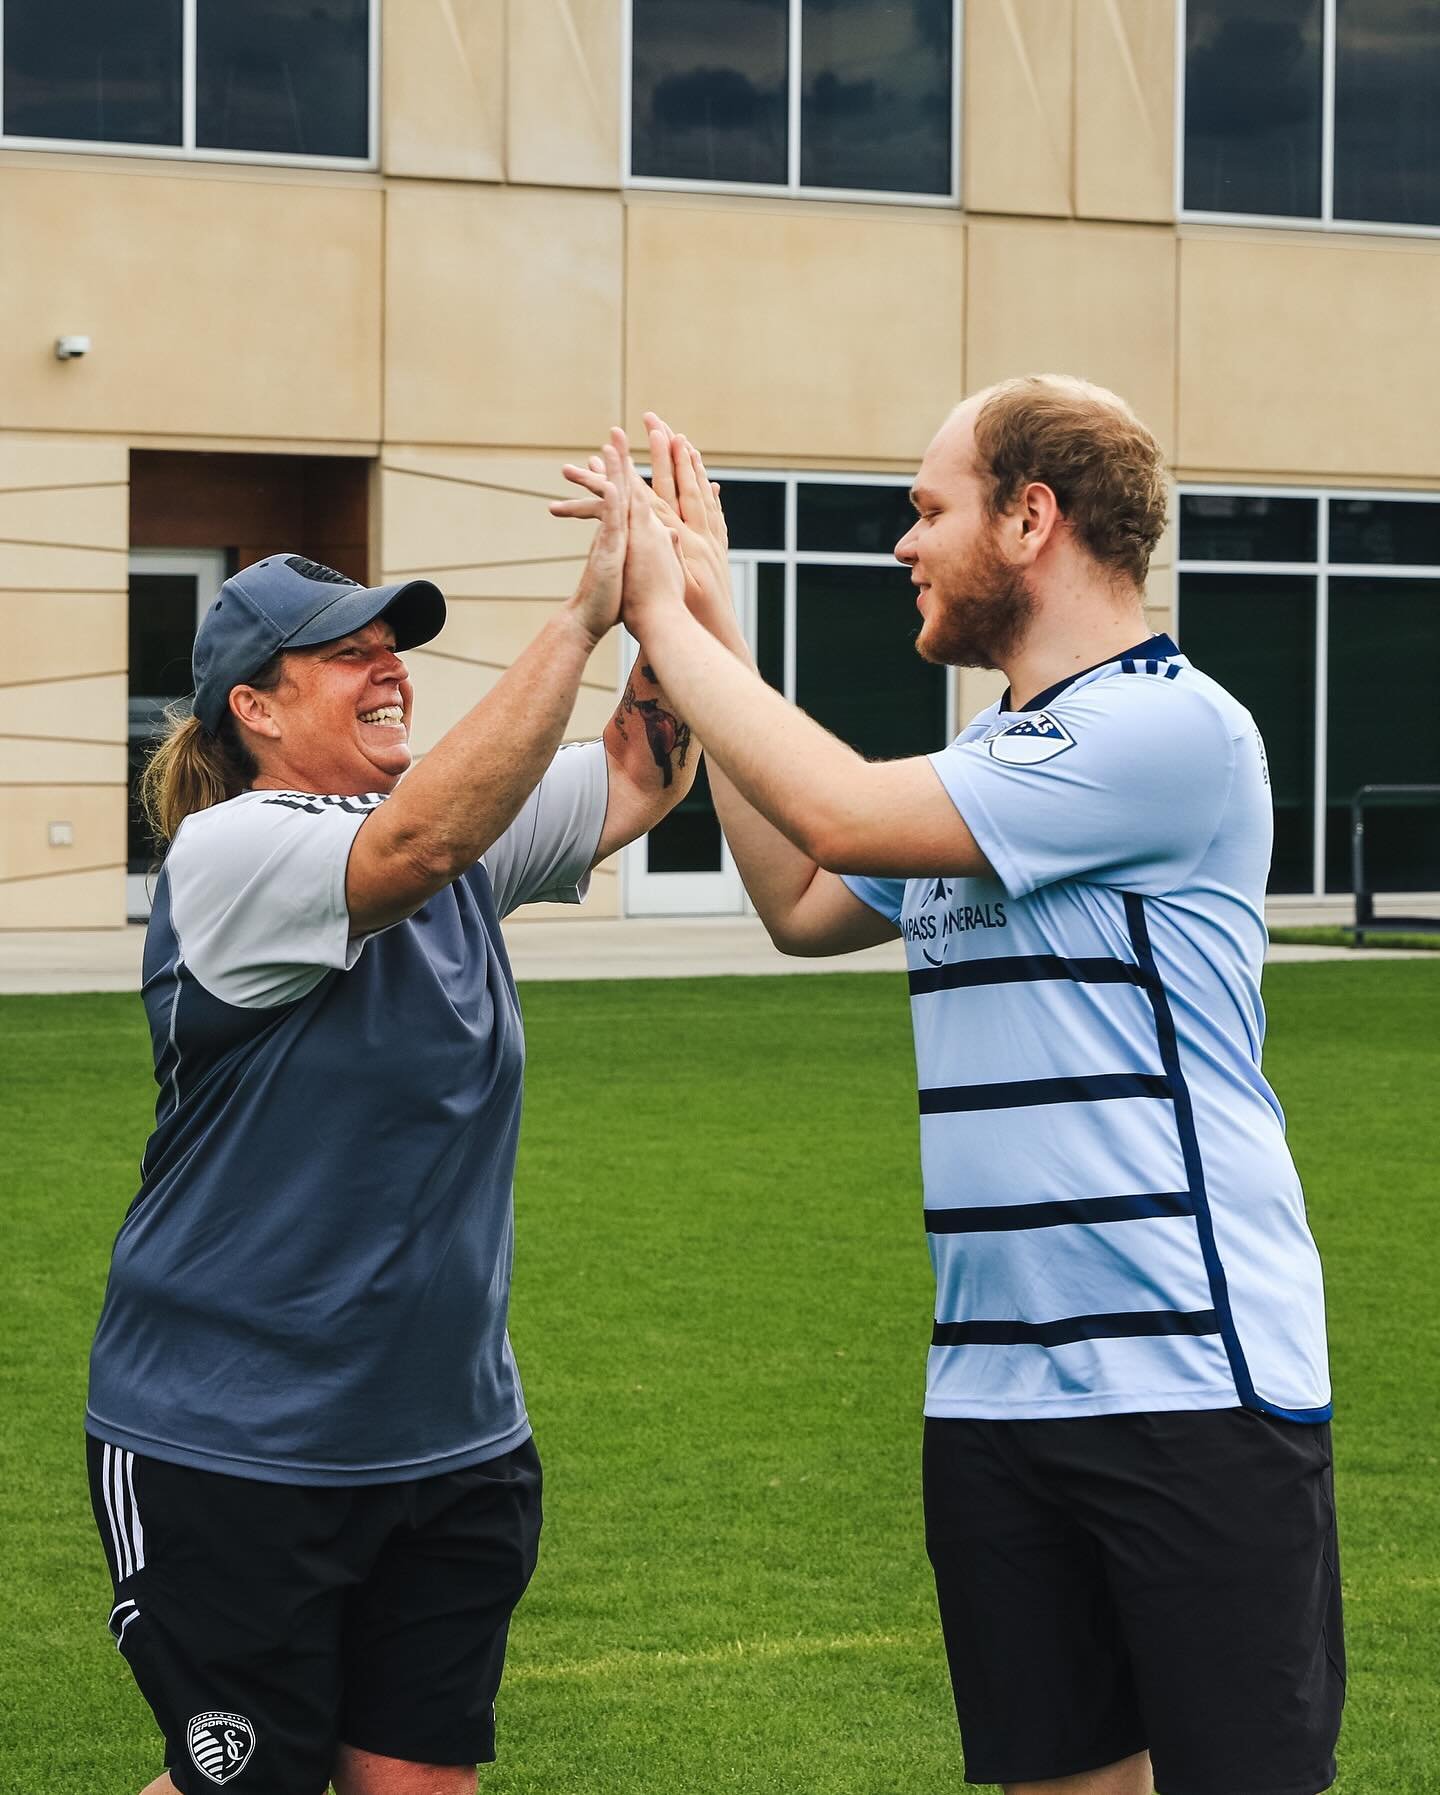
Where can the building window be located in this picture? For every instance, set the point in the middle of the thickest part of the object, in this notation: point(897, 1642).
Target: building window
point(830, 615)
point(852, 98)
point(250, 80)
point(1321, 613)
point(1312, 111)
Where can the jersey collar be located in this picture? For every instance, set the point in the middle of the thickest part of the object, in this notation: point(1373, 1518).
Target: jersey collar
point(1154, 648)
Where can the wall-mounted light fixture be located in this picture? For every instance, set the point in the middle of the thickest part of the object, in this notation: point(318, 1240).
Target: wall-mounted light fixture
point(69, 348)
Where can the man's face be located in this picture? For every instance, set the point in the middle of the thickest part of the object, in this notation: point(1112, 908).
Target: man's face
point(976, 606)
point(343, 709)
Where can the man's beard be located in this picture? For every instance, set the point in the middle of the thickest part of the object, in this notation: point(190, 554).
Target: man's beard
point(982, 628)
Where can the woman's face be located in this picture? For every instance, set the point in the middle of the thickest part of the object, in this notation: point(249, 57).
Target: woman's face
point(339, 721)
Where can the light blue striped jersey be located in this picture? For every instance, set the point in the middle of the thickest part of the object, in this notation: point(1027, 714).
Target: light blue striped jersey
point(1114, 1218)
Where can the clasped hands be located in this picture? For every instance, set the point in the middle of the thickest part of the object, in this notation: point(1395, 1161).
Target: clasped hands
point(658, 546)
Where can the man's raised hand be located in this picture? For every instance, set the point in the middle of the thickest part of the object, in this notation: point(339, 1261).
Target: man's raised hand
point(688, 504)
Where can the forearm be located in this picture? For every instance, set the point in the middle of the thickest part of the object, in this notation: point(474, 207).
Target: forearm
point(778, 762)
point(652, 760)
point(776, 873)
point(468, 789)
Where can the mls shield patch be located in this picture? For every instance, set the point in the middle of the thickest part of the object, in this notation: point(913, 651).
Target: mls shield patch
point(220, 1745)
point(1027, 743)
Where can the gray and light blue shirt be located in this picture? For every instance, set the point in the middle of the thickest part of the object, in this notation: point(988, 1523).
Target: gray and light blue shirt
point(1114, 1218)
point(311, 1285)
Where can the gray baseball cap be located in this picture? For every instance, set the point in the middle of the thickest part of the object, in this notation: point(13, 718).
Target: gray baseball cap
point(286, 601)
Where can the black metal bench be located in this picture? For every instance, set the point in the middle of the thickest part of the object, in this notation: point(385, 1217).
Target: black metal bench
point(1366, 921)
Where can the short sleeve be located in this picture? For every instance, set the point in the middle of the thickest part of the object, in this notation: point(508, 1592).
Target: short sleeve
point(545, 854)
point(887, 896)
point(257, 894)
point(1123, 783)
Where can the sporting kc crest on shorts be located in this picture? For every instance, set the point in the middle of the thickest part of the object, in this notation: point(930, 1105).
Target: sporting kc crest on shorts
point(220, 1744)
point(1027, 743)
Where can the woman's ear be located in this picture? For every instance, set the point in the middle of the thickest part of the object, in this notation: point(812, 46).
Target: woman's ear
point(252, 711)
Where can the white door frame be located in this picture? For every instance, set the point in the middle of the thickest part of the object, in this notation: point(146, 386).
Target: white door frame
point(720, 893)
point(208, 567)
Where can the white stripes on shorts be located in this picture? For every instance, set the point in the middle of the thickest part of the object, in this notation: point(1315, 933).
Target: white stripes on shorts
point(127, 1536)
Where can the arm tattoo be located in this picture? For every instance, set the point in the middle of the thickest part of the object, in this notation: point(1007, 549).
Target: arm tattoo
point(667, 736)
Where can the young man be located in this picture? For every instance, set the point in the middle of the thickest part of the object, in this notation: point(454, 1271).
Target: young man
point(1127, 1457)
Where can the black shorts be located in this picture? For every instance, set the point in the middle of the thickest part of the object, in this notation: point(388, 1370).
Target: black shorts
point(266, 1623)
point(1124, 1582)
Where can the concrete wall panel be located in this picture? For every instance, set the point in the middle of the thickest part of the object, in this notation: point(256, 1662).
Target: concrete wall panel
point(62, 635)
point(1302, 356)
point(97, 819)
point(1114, 324)
point(86, 900)
point(32, 462)
point(443, 95)
point(97, 515)
point(37, 762)
point(270, 324)
point(465, 514)
point(563, 113)
point(767, 330)
point(79, 709)
point(1125, 109)
point(502, 315)
point(1018, 105)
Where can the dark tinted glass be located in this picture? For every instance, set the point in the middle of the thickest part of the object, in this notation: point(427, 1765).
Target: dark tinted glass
point(876, 95)
point(1384, 728)
point(1252, 106)
point(1393, 532)
point(1255, 633)
point(687, 840)
point(1246, 527)
point(1387, 111)
point(866, 520)
point(162, 634)
point(142, 851)
point(95, 70)
point(287, 76)
point(770, 623)
point(754, 512)
point(709, 90)
point(856, 668)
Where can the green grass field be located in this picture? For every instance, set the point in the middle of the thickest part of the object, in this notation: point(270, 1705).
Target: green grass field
point(722, 1302)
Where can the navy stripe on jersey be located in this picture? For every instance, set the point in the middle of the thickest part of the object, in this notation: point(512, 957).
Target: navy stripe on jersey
point(993, 1218)
point(1021, 969)
point(1137, 1324)
point(1189, 1146)
point(1021, 1093)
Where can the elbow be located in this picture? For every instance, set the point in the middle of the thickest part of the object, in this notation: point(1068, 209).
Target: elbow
point(835, 844)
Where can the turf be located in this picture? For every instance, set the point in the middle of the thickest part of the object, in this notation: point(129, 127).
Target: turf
point(721, 1305)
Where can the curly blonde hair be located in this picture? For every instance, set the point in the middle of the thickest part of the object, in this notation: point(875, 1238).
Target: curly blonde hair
point(1085, 443)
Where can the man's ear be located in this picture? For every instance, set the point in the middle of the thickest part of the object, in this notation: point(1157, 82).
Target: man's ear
point(251, 710)
point(1039, 516)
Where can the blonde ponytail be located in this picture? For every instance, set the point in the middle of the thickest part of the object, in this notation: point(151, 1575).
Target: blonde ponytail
point(191, 769)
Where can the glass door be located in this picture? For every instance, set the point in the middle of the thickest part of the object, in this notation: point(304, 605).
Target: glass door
point(684, 866)
point(170, 590)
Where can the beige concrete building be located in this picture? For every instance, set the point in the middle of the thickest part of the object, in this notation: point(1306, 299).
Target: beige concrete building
point(360, 292)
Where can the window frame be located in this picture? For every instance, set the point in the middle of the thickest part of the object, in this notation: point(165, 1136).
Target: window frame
point(187, 150)
point(1327, 221)
point(792, 558)
point(699, 896)
point(1322, 570)
point(791, 188)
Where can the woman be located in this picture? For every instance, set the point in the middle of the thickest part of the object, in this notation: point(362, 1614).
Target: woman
point(310, 1461)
